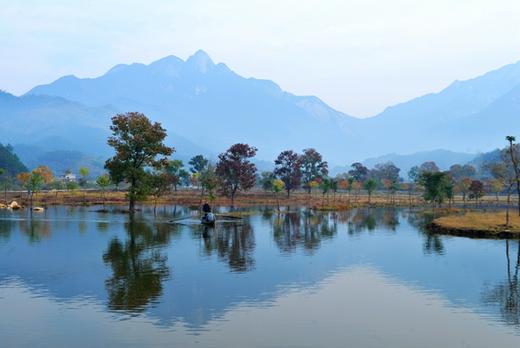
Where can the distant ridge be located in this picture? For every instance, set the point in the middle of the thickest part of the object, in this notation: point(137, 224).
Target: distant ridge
point(208, 104)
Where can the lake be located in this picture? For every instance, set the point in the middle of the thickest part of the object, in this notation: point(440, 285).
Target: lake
point(73, 277)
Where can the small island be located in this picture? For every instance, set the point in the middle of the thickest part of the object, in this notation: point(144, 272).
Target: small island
point(478, 225)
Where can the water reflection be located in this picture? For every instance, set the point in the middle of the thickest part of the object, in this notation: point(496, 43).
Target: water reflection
point(433, 242)
point(138, 267)
point(506, 294)
point(304, 229)
point(233, 243)
point(189, 276)
point(371, 219)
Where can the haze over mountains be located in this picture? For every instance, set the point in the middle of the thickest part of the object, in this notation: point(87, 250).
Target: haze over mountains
point(206, 107)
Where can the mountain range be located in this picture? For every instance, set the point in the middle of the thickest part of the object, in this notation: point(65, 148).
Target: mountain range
point(206, 107)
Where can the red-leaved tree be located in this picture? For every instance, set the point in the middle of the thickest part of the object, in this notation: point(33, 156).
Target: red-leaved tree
point(235, 170)
point(288, 169)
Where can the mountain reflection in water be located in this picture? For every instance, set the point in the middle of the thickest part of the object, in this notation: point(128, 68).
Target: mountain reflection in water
point(189, 275)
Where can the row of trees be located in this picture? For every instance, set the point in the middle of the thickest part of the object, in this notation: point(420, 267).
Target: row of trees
point(142, 162)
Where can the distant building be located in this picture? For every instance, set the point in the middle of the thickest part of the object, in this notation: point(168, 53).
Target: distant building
point(68, 177)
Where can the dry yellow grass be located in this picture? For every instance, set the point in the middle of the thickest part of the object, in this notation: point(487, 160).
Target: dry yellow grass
point(480, 224)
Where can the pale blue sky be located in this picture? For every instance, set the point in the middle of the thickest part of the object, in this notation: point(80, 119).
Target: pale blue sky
point(357, 55)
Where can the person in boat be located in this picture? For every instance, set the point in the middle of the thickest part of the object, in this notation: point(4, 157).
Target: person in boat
point(208, 216)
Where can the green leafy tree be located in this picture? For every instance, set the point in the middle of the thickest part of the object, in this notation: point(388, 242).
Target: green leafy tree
point(198, 163)
point(277, 186)
point(84, 172)
point(437, 187)
point(160, 184)
point(138, 144)
point(10, 162)
point(32, 182)
point(209, 181)
point(103, 181)
point(358, 172)
point(266, 181)
point(370, 185)
point(313, 167)
point(176, 173)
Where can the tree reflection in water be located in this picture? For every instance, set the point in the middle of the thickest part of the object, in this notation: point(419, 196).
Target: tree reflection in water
point(234, 244)
point(305, 229)
point(506, 295)
point(370, 219)
point(432, 244)
point(138, 266)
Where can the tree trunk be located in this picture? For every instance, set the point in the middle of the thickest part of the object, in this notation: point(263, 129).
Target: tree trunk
point(507, 207)
point(517, 174)
point(131, 205)
point(508, 261)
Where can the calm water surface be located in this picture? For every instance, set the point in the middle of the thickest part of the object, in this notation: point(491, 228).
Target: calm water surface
point(72, 277)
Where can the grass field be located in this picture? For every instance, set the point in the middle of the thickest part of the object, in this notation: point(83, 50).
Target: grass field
point(480, 224)
point(338, 201)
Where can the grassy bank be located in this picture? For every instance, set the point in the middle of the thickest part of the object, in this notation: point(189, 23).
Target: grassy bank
point(339, 201)
point(192, 197)
point(479, 225)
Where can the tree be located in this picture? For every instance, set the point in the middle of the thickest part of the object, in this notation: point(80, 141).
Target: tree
point(159, 184)
point(326, 186)
point(513, 153)
point(504, 172)
point(84, 173)
point(10, 162)
point(288, 169)
point(103, 181)
point(277, 186)
point(198, 164)
point(358, 172)
point(476, 190)
point(429, 166)
point(209, 181)
point(23, 178)
point(463, 186)
point(386, 171)
point(46, 174)
point(496, 186)
point(235, 170)
point(356, 186)
point(138, 144)
point(370, 185)
point(32, 182)
point(56, 185)
point(176, 172)
point(414, 174)
point(266, 181)
point(312, 167)
point(437, 187)
point(459, 172)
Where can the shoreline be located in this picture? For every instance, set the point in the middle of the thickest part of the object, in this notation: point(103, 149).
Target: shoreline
point(332, 202)
point(487, 225)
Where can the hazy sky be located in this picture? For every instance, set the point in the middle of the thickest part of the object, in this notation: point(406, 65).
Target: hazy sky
point(357, 55)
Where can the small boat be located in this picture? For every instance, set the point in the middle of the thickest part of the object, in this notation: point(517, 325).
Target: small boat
point(208, 219)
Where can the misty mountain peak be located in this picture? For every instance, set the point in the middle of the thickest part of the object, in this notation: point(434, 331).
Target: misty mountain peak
point(201, 61)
